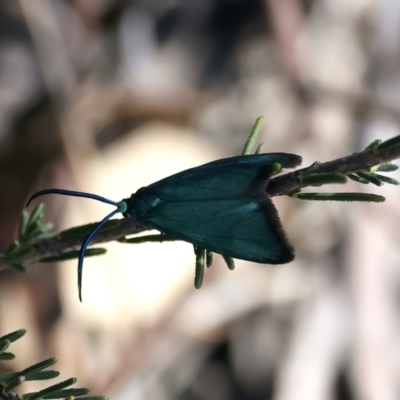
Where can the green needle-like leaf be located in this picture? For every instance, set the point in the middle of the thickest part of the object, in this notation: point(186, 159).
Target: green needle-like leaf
point(253, 137)
point(19, 255)
point(23, 221)
point(229, 262)
point(48, 227)
point(50, 390)
point(4, 344)
point(67, 393)
point(7, 377)
point(363, 197)
point(13, 336)
point(12, 247)
point(33, 230)
point(388, 144)
point(259, 149)
point(7, 356)
point(370, 177)
point(209, 258)
point(389, 167)
point(387, 179)
point(33, 369)
point(356, 178)
point(274, 169)
point(199, 272)
point(43, 375)
point(27, 372)
point(374, 144)
point(18, 267)
point(36, 215)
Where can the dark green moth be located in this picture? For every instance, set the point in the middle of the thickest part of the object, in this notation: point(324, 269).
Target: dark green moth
point(222, 206)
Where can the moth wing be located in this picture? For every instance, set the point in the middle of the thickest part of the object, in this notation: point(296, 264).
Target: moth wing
point(239, 228)
point(222, 179)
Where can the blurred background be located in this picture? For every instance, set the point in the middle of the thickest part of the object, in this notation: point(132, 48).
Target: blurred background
point(107, 96)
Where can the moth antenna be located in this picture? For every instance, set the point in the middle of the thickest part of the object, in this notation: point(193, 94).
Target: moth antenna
point(72, 193)
point(85, 245)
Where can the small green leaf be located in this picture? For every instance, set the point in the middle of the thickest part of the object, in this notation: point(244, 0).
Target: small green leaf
point(27, 372)
point(33, 230)
point(253, 137)
point(38, 376)
point(6, 377)
point(54, 389)
point(389, 167)
point(67, 393)
point(374, 144)
point(4, 344)
point(12, 247)
point(363, 197)
point(388, 144)
point(70, 255)
point(18, 267)
point(23, 221)
point(356, 178)
point(387, 179)
point(42, 235)
point(14, 336)
point(19, 254)
point(47, 227)
point(36, 215)
point(199, 270)
point(259, 148)
point(7, 356)
point(369, 177)
point(323, 179)
point(274, 169)
point(33, 369)
point(43, 375)
point(209, 258)
point(229, 262)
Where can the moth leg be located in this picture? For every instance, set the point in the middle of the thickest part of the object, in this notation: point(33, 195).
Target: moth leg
point(199, 271)
point(229, 262)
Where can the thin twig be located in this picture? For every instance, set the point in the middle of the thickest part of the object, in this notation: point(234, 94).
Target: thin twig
point(285, 184)
point(290, 183)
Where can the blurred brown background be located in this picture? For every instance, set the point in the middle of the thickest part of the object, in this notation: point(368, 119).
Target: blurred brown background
point(109, 95)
